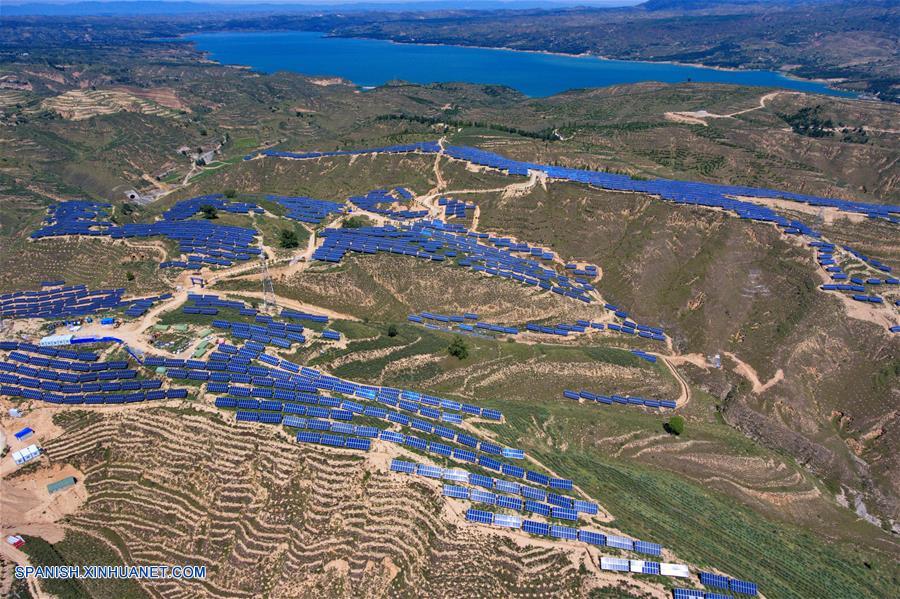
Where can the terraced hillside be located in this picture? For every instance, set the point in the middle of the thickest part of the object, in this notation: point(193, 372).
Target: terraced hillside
point(785, 473)
point(189, 486)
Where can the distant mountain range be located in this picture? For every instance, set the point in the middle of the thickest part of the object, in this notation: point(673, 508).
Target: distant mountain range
point(162, 7)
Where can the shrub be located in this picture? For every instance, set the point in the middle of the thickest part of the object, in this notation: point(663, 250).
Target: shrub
point(392, 330)
point(458, 349)
point(129, 275)
point(288, 239)
point(230, 193)
point(355, 222)
point(209, 212)
point(675, 425)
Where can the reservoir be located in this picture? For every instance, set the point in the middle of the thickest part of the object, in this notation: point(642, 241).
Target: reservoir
point(370, 63)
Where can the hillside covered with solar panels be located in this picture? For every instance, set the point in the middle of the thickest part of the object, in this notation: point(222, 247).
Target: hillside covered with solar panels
point(447, 340)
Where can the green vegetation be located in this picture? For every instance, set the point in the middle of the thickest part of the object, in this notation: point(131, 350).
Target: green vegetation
point(42, 553)
point(458, 348)
point(675, 425)
point(392, 330)
point(288, 239)
point(808, 121)
point(209, 212)
point(356, 222)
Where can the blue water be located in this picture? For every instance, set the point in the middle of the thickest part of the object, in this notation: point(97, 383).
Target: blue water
point(375, 62)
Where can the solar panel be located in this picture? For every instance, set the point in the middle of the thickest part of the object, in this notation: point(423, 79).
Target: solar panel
point(648, 548)
point(482, 496)
point(714, 580)
point(619, 542)
point(743, 587)
point(479, 516)
point(507, 521)
point(614, 564)
point(401, 466)
point(429, 471)
point(563, 532)
point(456, 491)
point(686, 594)
point(594, 538)
point(536, 528)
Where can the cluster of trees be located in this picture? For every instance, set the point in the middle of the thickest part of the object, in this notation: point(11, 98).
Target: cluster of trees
point(287, 238)
point(808, 121)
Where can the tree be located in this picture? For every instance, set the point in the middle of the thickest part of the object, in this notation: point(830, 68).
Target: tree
point(355, 222)
point(458, 349)
point(209, 212)
point(675, 425)
point(288, 239)
point(230, 193)
point(129, 275)
point(392, 330)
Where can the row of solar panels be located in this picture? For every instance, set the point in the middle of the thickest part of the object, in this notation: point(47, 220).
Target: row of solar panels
point(618, 399)
point(731, 584)
point(334, 440)
point(494, 483)
point(106, 384)
point(644, 355)
point(76, 364)
point(92, 398)
point(52, 352)
point(562, 512)
point(551, 530)
point(637, 566)
point(676, 191)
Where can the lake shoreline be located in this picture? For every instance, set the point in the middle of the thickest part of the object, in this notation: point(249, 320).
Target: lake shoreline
point(830, 85)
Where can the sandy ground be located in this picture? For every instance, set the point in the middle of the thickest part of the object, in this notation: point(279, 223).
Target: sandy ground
point(698, 117)
point(747, 371)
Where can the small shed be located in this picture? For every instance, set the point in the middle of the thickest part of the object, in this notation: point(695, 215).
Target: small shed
point(55, 340)
point(24, 433)
point(61, 484)
point(26, 455)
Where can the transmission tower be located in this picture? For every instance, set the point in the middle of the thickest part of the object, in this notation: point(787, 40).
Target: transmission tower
point(268, 288)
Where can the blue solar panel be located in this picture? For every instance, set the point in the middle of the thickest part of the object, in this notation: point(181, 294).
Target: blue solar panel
point(479, 516)
point(742, 586)
point(456, 491)
point(563, 532)
point(714, 580)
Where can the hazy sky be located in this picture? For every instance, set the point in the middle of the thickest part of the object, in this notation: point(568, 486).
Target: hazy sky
point(511, 3)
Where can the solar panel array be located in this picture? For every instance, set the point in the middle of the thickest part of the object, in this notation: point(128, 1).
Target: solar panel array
point(679, 593)
point(187, 208)
point(682, 192)
point(618, 399)
point(375, 199)
point(687, 192)
point(306, 209)
point(59, 302)
point(460, 324)
point(455, 208)
point(74, 378)
point(202, 241)
point(268, 331)
point(436, 241)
